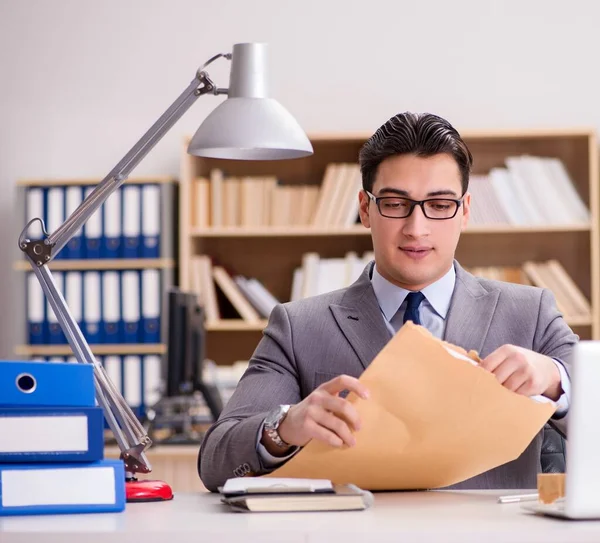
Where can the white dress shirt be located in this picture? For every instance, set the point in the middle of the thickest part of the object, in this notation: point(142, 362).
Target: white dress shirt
point(432, 313)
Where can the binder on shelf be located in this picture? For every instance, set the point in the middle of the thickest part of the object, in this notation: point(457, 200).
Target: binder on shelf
point(133, 381)
point(152, 369)
point(150, 221)
point(47, 488)
point(32, 383)
point(92, 307)
point(36, 311)
point(74, 295)
point(55, 333)
point(112, 238)
point(151, 294)
point(132, 221)
point(35, 209)
point(74, 248)
point(51, 434)
point(55, 211)
point(93, 232)
point(112, 321)
point(130, 287)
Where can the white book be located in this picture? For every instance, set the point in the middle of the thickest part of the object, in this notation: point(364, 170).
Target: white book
point(132, 377)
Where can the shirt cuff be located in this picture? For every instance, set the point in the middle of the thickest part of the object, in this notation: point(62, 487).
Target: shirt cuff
point(562, 404)
point(267, 459)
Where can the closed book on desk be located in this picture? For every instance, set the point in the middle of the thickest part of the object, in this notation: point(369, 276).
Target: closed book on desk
point(288, 494)
point(51, 434)
point(41, 489)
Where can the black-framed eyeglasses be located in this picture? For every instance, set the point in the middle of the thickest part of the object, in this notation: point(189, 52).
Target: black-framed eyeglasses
point(396, 207)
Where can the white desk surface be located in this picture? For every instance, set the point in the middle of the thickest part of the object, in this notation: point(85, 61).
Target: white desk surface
point(437, 516)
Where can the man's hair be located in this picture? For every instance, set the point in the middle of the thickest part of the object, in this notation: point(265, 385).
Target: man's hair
point(419, 134)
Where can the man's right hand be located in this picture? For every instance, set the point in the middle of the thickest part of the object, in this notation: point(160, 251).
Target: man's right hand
point(323, 415)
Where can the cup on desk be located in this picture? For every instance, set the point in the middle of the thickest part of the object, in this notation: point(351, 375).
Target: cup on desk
point(551, 487)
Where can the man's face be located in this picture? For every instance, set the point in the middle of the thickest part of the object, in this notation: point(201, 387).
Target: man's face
point(415, 251)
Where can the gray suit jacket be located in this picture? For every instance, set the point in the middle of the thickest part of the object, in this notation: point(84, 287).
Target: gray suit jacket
point(313, 340)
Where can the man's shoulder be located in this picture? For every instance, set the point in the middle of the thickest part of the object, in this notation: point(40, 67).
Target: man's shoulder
point(312, 303)
point(527, 292)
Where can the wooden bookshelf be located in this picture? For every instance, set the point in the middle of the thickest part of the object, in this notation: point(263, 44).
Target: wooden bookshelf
point(271, 254)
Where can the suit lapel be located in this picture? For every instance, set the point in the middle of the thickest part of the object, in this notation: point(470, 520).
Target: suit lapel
point(470, 313)
point(359, 317)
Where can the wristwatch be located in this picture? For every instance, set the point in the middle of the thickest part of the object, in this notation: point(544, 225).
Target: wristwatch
point(272, 423)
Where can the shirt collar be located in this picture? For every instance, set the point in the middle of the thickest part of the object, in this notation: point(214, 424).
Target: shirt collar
point(390, 296)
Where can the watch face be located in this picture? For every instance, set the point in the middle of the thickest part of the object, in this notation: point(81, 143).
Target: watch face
point(274, 416)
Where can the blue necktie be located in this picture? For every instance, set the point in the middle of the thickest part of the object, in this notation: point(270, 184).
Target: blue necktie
point(413, 301)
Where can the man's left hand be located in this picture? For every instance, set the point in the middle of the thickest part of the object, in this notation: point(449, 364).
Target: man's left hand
point(524, 371)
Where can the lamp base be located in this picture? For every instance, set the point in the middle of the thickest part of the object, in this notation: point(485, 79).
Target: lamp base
point(147, 491)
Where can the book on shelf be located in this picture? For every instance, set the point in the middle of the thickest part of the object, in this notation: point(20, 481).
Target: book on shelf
point(571, 302)
point(216, 287)
point(527, 191)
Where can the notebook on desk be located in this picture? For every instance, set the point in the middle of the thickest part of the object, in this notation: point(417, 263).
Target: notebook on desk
point(256, 494)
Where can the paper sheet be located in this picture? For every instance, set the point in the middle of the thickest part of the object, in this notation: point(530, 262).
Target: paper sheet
point(433, 419)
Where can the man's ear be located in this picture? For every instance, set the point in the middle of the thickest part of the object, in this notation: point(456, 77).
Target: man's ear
point(466, 211)
point(363, 209)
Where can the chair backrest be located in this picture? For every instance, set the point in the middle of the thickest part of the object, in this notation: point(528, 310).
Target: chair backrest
point(554, 451)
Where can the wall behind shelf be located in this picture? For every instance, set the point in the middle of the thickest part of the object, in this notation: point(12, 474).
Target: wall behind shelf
point(82, 80)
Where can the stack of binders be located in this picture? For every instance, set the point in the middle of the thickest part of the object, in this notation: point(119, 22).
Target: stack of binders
point(52, 442)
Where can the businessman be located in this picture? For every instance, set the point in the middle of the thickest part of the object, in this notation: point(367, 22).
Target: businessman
point(415, 171)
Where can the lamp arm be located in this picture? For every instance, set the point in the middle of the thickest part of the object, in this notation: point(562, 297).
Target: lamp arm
point(131, 436)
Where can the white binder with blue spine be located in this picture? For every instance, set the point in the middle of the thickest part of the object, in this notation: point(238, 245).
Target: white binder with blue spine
point(74, 248)
point(151, 221)
point(46, 488)
point(111, 307)
point(92, 329)
point(132, 221)
point(55, 333)
point(112, 226)
point(51, 434)
point(55, 207)
point(34, 383)
point(93, 232)
point(130, 287)
point(36, 311)
point(150, 306)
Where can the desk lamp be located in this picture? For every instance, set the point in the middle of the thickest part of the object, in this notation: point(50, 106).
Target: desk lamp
point(247, 126)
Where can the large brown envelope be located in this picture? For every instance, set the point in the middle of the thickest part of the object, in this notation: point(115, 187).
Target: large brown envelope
point(434, 418)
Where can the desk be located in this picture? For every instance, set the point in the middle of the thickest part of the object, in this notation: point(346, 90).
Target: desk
point(436, 517)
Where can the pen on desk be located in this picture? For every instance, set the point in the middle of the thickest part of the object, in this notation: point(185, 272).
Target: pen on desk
point(518, 498)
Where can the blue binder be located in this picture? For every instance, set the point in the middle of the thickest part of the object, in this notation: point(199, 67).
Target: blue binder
point(74, 248)
point(150, 297)
point(32, 383)
point(37, 323)
point(112, 237)
point(93, 232)
point(83, 488)
point(151, 221)
point(132, 221)
point(51, 434)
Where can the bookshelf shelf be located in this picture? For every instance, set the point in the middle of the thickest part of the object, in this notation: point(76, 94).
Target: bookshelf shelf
point(235, 325)
point(272, 253)
point(302, 231)
point(104, 264)
point(100, 350)
point(89, 181)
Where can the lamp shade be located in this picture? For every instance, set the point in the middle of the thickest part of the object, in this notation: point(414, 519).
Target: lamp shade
point(249, 125)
